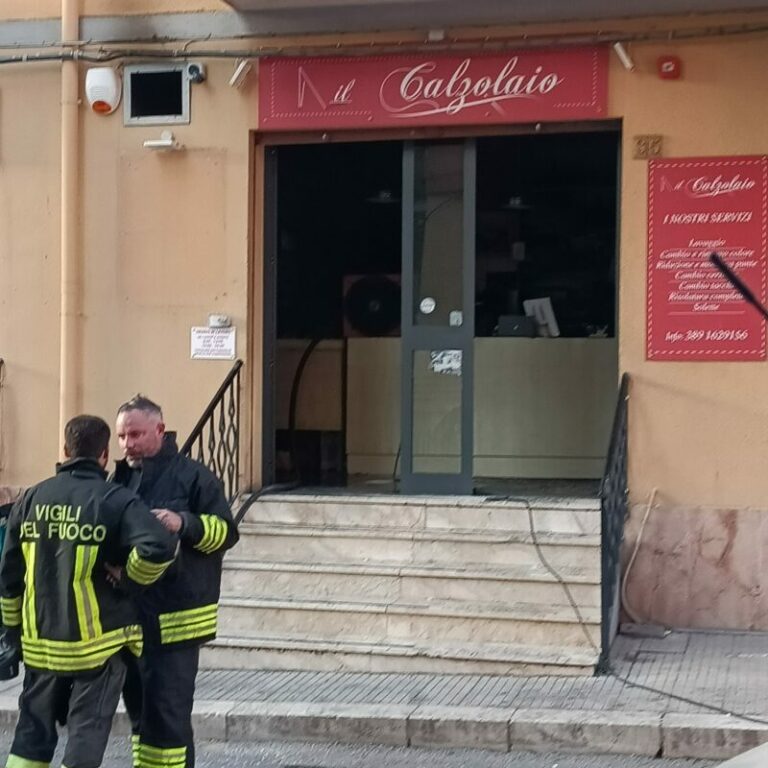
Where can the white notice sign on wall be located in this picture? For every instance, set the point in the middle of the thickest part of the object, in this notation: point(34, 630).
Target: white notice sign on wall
point(212, 343)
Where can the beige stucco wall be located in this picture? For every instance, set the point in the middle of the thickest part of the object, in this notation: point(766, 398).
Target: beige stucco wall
point(29, 274)
point(165, 241)
point(47, 9)
point(699, 431)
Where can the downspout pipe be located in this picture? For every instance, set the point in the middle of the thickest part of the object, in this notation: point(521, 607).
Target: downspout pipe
point(71, 279)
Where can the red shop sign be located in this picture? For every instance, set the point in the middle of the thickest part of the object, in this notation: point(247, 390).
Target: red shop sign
point(432, 89)
point(697, 206)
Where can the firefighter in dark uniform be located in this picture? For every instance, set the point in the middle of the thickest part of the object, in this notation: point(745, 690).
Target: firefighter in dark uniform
point(179, 613)
point(57, 600)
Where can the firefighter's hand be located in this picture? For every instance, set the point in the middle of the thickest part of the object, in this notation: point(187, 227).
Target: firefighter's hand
point(172, 521)
point(114, 574)
point(10, 653)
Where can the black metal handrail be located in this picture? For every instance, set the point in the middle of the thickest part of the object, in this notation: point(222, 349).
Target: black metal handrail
point(614, 508)
point(215, 439)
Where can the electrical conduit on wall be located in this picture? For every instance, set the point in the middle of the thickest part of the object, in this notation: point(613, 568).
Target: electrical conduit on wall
point(69, 362)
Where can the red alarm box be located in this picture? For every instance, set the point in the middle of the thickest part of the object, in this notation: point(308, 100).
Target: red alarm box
point(670, 67)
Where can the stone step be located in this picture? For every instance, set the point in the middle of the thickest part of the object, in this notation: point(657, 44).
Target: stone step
point(426, 513)
point(333, 544)
point(386, 582)
point(515, 623)
point(301, 652)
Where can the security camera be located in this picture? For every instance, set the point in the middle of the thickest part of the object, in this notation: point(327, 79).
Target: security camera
point(196, 72)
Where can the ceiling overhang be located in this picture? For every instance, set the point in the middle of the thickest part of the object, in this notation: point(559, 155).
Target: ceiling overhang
point(342, 15)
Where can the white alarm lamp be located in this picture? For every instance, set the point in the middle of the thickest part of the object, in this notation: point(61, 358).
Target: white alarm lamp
point(103, 89)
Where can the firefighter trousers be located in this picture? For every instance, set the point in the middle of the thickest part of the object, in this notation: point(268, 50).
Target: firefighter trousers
point(159, 692)
point(93, 698)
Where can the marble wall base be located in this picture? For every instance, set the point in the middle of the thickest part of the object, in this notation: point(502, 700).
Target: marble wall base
point(699, 567)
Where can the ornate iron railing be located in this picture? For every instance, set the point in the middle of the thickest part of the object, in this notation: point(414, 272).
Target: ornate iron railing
point(614, 507)
point(215, 439)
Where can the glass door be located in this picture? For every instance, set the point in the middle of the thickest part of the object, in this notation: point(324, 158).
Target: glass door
point(438, 316)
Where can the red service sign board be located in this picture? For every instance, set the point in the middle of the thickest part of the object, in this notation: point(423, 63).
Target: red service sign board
point(403, 91)
point(697, 206)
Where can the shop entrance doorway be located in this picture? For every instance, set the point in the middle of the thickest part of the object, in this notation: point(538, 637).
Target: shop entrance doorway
point(440, 315)
point(438, 318)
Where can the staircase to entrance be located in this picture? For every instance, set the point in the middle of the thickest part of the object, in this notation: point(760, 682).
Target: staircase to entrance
point(412, 584)
point(525, 584)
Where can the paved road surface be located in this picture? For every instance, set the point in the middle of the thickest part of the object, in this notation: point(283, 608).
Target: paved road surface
point(280, 755)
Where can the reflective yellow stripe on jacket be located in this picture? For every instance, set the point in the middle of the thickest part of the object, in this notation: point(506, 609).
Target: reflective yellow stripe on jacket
point(191, 624)
point(88, 614)
point(11, 611)
point(79, 655)
point(29, 550)
point(214, 534)
point(143, 571)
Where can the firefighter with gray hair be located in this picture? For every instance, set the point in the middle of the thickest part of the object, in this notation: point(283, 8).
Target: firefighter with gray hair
point(179, 613)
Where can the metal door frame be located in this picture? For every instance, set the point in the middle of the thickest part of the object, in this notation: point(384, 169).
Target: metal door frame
point(434, 338)
point(269, 319)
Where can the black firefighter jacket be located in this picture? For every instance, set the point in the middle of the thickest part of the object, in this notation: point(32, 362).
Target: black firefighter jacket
point(53, 584)
point(182, 608)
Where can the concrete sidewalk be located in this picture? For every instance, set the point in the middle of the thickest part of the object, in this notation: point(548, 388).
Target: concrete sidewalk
point(755, 758)
point(605, 714)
